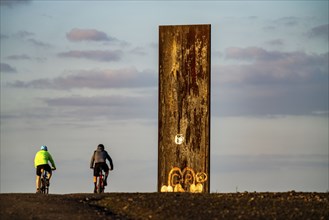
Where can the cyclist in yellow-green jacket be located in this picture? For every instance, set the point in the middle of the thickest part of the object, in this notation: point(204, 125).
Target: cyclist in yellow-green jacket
point(41, 163)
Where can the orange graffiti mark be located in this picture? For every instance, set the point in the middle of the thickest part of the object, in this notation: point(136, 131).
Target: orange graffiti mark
point(184, 181)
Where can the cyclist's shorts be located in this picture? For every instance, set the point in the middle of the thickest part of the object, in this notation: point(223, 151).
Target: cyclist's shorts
point(43, 166)
point(99, 166)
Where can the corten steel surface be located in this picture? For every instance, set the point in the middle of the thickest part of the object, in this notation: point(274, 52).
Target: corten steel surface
point(184, 108)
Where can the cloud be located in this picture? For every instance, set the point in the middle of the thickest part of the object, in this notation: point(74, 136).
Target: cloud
point(288, 21)
point(6, 68)
point(277, 65)
point(98, 55)
point(19, 57)
point(276, 42)
point(321, 113)
point(112, 107)
point(253, 53)
point(319, 32)
point(3, 36)
point(95, 79)
point(12, 3)
point(267, 67)
point(284, 21)
point(302, 172)
point(262, 82)
point(39, 43)
point(252, 17)
point(120, 107)
point(269, 28)
point(138, 51)
point(29, 37)
point(72, 110)
point(25, 57)
point(113, 101)
point(77, 34)
point(24, 34)
point(269, 162)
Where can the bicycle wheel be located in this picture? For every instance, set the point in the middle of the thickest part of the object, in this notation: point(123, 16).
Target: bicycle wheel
point(46, 186)
point(100, 184)
point(99, 190)
point(47, 189)
point(43, 186)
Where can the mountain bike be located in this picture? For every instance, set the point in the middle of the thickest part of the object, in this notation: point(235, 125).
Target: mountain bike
point(100, 182)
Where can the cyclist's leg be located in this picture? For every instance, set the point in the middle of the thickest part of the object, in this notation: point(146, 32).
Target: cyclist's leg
point(95, 184)
point(38, 183)
point(106, 170)
point(39, 170)
point(48, 178)
point(49, 171)
point(96, 173)
point(105, 179)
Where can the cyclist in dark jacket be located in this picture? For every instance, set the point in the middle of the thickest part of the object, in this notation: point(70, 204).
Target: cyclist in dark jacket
point(98, 162)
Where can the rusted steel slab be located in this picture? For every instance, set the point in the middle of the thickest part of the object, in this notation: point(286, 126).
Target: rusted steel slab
point(184, 108)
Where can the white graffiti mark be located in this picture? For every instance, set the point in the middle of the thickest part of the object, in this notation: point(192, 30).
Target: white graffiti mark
point(184, 181)
point(179, 139)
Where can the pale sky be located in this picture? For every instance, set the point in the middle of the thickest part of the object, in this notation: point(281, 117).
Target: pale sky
point(75, 74)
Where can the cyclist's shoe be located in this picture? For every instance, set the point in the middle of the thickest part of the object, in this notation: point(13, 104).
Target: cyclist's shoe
point(38, 191)
point(95, 191)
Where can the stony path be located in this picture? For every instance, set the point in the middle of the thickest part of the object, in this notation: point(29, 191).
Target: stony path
point(38, 206)
point(289, 205)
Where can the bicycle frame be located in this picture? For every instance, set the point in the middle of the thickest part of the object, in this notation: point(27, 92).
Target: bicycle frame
point(44, 177)
point(100, 182)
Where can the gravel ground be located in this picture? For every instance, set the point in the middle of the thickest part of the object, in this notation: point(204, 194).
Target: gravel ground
point(38, 206)
point(289, 205)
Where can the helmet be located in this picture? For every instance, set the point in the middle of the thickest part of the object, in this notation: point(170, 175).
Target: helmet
point(101, 146)
point(44, 147)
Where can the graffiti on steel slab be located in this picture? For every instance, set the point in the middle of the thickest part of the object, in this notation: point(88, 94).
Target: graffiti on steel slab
point(184, 181)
